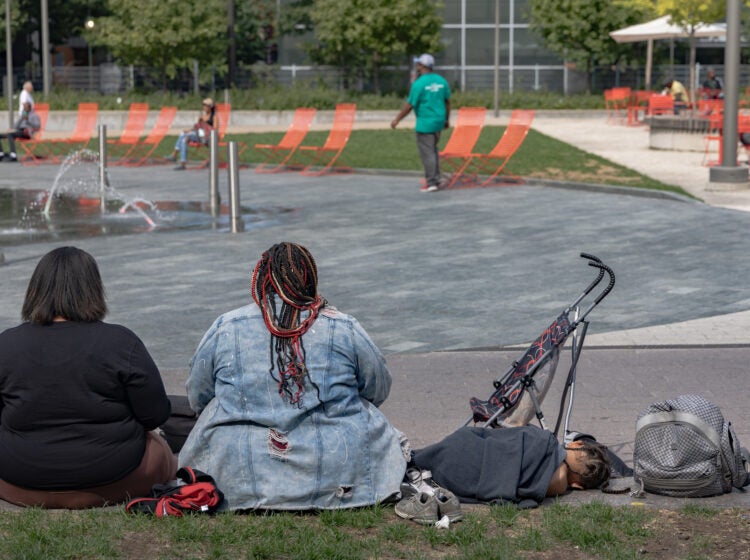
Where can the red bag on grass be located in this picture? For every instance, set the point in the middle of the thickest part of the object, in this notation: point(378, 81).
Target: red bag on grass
point(198, 494)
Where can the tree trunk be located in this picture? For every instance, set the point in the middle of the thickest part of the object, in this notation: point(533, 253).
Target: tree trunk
point(691, 85)
point(589, 76)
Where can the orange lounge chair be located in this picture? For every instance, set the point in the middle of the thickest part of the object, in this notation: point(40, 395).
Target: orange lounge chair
point(277, 155)
point(221, 124)
point(81, 135)
point(495, 161)
point(139, 154)
point(136, 122)
point(465, 134)
point(329, 153)
point(29, 158)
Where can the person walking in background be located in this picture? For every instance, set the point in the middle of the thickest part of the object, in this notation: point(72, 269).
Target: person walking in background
point(430, 99)
point(26, 125)
point(199, 134)
point(25, 97)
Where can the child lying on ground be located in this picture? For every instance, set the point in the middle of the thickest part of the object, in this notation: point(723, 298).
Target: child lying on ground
point(521, 465)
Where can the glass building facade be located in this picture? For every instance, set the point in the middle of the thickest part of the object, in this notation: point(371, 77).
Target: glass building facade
point(468, 57)
point(469, 38)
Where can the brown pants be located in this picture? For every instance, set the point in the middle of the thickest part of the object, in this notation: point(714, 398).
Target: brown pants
point(158, 466)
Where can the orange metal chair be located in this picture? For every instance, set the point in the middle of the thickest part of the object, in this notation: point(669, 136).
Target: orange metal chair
point(81, 135)
point(139, 154)
point(277, 155)
point(465, 134)
point(29, 158)
point(708, 107)
point(134, 125)
point(715, 126)
point(494, 162)
point(638, 104)
point(329, 153)
point(717, 134)
point(660, 104)
point(616, 100)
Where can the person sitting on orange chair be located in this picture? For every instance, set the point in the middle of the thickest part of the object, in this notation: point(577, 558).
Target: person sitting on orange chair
point(199, 134)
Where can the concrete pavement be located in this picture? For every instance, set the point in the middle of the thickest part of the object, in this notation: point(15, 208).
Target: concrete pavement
point(446, 283)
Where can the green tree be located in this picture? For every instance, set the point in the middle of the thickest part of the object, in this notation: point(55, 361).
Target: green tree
point(579, 30)
point(255, 29)
point(368, 34)
point(165, 34)
point(18, 19)
point(688, 14)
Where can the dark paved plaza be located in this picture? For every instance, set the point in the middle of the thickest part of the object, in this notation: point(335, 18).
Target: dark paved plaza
point(443, 282)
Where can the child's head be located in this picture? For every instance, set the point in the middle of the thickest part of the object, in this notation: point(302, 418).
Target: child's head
point(588, 464)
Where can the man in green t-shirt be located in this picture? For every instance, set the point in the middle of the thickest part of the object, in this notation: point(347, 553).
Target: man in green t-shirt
point(430, 99)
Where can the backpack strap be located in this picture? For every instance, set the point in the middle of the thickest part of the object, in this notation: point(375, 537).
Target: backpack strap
point(682, 417)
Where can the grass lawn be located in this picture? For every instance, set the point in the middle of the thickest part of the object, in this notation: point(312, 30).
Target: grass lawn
point(540, 156)
point(594, 530)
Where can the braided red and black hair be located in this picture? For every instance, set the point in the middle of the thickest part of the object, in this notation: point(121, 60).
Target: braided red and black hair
point(287, 271)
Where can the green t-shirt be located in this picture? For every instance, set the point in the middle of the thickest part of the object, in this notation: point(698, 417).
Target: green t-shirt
point(428, 95)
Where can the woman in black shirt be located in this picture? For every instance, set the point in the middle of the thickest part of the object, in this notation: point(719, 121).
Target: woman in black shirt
point(78, 397)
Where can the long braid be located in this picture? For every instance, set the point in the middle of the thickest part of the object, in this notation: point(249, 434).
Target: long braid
point(287, 270)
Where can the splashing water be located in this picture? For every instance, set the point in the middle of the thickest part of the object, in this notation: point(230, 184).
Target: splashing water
point(73, 208)
point(87, 183)
point(136, 204)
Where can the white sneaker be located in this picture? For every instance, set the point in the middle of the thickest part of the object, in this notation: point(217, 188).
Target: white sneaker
point(429, 188)
point(418, 482)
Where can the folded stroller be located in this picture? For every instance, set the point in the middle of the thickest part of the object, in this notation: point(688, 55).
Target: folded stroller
point(518, 394)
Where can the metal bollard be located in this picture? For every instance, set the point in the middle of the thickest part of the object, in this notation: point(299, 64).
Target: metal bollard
point(103, 182)
point(214, 199)
point(236, 223)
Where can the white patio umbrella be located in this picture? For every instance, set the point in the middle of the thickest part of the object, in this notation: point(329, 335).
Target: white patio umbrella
point(660, 28)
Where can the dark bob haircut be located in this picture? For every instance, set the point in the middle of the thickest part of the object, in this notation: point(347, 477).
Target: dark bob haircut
point(66, 283)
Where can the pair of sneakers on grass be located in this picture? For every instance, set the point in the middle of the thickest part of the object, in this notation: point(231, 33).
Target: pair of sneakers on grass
point(424, 501)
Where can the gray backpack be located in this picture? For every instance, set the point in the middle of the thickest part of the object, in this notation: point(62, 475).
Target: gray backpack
point(685, 448)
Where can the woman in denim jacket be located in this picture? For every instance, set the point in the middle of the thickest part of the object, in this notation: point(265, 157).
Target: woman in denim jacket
point(287, 389)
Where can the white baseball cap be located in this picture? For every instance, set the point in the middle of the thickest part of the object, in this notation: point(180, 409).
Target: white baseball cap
point(426, 60)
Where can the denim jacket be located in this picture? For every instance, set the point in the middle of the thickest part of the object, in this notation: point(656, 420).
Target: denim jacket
point(335, 450)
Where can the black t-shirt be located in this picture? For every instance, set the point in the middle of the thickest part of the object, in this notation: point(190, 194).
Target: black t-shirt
point(76, 400)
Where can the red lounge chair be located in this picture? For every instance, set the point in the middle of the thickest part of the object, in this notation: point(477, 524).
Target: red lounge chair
point(495, 161)
point(329, 153)
point(29, 158)
point(140, 153)
point(81, 135)
point(131, 135)
point(221, 124)
point(464, 136)
point(277, 155)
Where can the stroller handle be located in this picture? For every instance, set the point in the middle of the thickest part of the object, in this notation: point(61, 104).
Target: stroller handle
point(593, 284)
point(596, 262)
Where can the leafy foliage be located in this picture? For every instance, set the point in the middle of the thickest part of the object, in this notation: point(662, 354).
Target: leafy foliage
point(255, 31)
point(18, 19)
point(579, 29)
point(367, 34)
point(688, 14)
point(167, 34)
